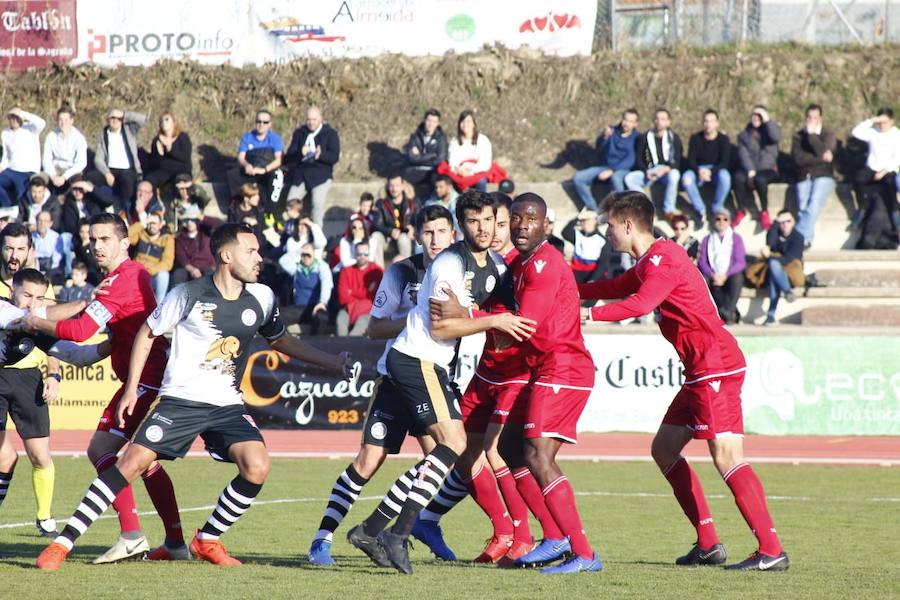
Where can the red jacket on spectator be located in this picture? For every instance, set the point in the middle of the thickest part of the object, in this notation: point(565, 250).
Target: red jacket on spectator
point(357, 287)
point(193, 251)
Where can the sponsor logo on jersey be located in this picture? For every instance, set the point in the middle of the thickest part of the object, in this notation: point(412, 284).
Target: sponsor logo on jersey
point(207, 305)
point(154, 433)
point(248, 317)
point(161, 419)
point(656, 259)
point(378, 431)
point(716, 385)
point(539, 265)
point(701, 427)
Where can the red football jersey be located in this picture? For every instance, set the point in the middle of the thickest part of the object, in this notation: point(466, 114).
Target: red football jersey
point(125, 308)
point(665, 278)
point(546, 292)
point(503, 359)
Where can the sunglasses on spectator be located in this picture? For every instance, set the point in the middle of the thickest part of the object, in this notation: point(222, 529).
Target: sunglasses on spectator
point(722, 219)
point(306, 255)
point(261, 122)
point(115, 118)
point(362, 253)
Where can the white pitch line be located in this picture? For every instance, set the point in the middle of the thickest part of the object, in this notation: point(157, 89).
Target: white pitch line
point(778, 460)
point(587, 494)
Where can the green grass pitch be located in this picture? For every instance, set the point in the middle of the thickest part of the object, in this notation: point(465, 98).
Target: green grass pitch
point(840, 525)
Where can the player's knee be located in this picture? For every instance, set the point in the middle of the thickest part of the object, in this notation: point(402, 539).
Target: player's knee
point(662, 453)
point(457, 443)
point(94, 453)
point(8, 461)
point(256, 469)
point(369, 460)
point(537, 460)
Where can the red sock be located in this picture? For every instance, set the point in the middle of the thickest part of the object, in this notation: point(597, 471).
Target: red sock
point(124, 502)
point(560, 499)
point(162, 494)
point(689, 494)
point(517, 509)
point(484, 491)
point(531, 493)
point(750, 498)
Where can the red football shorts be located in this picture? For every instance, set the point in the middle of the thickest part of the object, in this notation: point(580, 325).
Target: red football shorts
point(485, 402)
point(711, 407)
point(553, 412)
point(109, 419)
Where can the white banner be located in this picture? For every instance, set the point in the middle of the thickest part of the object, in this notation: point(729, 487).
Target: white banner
point(241, 32)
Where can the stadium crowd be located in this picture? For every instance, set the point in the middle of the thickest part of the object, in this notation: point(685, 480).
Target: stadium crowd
point(54, 186)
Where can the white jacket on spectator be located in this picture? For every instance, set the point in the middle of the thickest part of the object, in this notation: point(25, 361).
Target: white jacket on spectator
point(884, 147)
point(65, 156)
point(319, 241)
point(22, 146)
point(480, 152)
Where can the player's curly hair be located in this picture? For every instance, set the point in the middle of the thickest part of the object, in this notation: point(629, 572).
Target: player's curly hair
point(635, 206)
point(472, 200)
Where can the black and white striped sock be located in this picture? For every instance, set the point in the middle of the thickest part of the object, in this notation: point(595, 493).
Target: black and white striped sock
point(453, 491)
point(233, 502)
point(344, 493)
point(392, 503)
point(5, 480)
point(98, 498)
point(424, 487)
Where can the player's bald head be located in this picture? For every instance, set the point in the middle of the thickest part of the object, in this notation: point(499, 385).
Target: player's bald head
point(533, 199)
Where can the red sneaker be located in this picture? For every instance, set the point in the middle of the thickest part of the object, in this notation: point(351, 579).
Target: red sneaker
point(518, 549)
point(496, 548)
point(739, 217)
point(765, 221)
point(212, 551)
point(52, 556)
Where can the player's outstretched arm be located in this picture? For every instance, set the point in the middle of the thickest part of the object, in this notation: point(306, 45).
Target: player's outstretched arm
point(80, 355)
point(66, 310)
point(296, 348)
point(143, 342)
point(609, 289)
point(650, 295)
point(518, 328)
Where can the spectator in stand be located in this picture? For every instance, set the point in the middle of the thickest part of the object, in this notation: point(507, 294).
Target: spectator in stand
point(300, 230)
point(48, 249)
point(470, 157)
point(757, 165)
point(193, 258)
point(259, 158)
point(395, 217)
point(189, 199)
point(365, 210)
point(883, 163)
point(20, 155)
point(784, 253)
point(65, 151)
point(615, 158)
point(245, 209)
point(681, 227)
point(658, 158)
point(77, 287)
point(145, 203)
point(592, 253)
point(812, 149)
point(312, 285)
point(81, 248)
point(708, 160)
point(155, 250)
point(722, 260)
point(81, 202)
point(556, 242)
point(357, 285)
point(315, 149)
point(357, 233)
point(170, 153)
point(116, 155)
point(425, 150)
point(36, 199)
point(445, 195)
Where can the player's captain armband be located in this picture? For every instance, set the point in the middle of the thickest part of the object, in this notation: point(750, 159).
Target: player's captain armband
point(98, 313)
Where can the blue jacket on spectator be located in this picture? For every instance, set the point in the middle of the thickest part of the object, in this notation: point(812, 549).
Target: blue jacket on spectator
point(309, 284)
point(617, 152)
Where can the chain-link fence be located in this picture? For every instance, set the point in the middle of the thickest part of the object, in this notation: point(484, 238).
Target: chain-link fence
point(625, 24)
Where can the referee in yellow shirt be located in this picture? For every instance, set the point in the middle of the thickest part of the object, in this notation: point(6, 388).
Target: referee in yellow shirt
point(25, 393)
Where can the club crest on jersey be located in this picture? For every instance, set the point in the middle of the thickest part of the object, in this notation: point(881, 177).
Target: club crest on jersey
point(490, 283)
point(378, 430)
point(248, 317)
point(656, 259)
point(715, 385)
point(539, 265)
point(154, 433)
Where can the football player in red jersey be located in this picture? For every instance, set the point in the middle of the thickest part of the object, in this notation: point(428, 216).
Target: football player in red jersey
point(127, 302)
point(708, 406)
